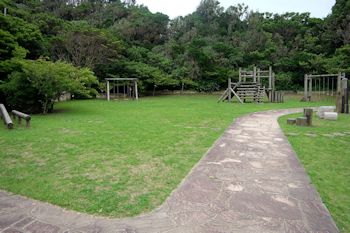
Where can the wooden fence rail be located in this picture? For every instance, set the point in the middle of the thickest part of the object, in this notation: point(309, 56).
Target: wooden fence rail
point(5, 116)
point(20, 116)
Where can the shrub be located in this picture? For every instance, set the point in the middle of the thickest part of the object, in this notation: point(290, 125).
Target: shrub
point(39, 83)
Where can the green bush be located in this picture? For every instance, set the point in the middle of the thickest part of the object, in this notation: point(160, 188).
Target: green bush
point(39, 83)
point(284, 81)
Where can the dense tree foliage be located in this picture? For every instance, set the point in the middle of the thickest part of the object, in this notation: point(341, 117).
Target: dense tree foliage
point(199, 51)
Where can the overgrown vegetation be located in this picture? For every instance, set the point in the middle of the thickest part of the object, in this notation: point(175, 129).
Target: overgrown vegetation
point(198, 51)
point(114, 158)
point(324, 151)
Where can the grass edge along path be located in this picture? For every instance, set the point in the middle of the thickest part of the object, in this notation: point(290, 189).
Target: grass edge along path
point(324, 151)
point(118, 158)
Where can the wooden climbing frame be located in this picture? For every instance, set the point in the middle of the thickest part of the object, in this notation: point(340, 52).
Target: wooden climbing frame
point(318, 85)
point(249, 87)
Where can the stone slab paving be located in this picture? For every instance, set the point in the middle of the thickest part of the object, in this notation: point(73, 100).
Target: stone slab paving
point(249, 181)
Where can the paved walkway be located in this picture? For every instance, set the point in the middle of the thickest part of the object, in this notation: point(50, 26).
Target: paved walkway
point(249, 181)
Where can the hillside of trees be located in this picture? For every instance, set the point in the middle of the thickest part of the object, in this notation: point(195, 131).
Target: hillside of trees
point(51, 46)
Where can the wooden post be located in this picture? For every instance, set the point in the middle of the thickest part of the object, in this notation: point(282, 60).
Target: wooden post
point(21, 115)
point(254, 74)
point(305, 87)
point(270, 81)
point(108, 90)
point(346, 101)
point(310, 88)
point(240, 75)
point(270, 85)
point(339, 82)
point(301, 121)
point(308, 114)
point(229, 88)
point(270, 77)
point(27, 123)
point(345, 95)
point(259, 81)
point(340, 94)
point(136, 91)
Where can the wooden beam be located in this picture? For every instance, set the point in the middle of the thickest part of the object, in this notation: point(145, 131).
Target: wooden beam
point(229, 86)
point(240, 75)
point(305, 87)
point(136, 91)
point(344, 96)
point(108, 90)
point(223, 96)
point(322, 75)
point(121, 79)
point(310, 88)
point(234, 93)
point(6, 117)
point(270, 77)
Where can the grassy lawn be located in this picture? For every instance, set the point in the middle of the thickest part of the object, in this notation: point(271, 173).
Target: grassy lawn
point(118, 158)
point(324, 150)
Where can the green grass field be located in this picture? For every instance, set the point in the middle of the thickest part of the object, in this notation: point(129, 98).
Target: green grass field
point(324, 150)
point(118, 158)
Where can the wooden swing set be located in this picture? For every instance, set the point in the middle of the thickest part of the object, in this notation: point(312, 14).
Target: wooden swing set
point(334, 86)
point(122, 87)
point(317, 85)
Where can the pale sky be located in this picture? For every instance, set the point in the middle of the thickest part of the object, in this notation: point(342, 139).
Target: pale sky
point(174, 8)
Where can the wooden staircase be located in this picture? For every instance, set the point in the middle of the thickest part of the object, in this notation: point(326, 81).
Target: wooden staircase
point(250, 92)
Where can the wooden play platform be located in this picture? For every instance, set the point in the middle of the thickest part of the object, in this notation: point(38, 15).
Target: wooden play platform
point(251, 87)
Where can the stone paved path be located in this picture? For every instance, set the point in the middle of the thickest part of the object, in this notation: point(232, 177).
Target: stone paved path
point(249, 181)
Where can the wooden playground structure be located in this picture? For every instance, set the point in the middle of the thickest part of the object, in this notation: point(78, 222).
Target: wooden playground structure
point(327, 86)
point(122, 88)
point(250, 87)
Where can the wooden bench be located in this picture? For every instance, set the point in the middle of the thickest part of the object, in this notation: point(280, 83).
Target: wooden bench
point(20, 116)
point(5, 116)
